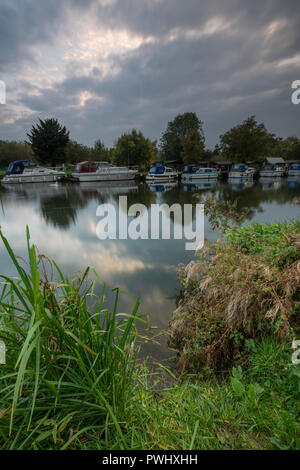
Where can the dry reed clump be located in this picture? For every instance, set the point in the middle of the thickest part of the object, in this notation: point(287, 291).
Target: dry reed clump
point(241, 297)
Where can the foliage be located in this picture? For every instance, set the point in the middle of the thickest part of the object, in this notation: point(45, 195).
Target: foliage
point(288, 148)
point(256, 407)
point(192, 147)
point(75, 152)
point(279, 244)
point(48, 140)
point(133, 150)
point(69, 368)
point(247, 142)
point(10, 151)
point(178, 129)
point(249, 288)
point(101, 153)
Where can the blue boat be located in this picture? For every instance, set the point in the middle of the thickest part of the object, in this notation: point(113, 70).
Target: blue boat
point(294, 170)
point(25, 171)
point(161, 173)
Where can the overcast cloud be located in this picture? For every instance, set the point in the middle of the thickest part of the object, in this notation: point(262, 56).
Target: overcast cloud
point(103, 67)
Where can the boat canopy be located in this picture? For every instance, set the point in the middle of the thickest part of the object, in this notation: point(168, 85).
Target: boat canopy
point(86, 167)
point(17, 167)
point(239, 167)
point(295, 167)
point(192, 168)
point(157, 170)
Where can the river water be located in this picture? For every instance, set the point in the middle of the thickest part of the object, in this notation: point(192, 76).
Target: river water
point(62, 220)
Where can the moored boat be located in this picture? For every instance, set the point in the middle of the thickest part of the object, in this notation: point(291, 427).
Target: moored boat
point(25, 171)
point(240, 170)
point(194, 173)
point(294, 170)
point(271, 171)
point(161, 173)
point(102, 171)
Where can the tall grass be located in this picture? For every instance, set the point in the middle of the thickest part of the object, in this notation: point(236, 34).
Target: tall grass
point(69, 370)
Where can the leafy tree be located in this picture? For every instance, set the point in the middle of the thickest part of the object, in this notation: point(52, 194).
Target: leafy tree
point(101, 153)
point(192, 147)
point(48, 140)
point(178, 129)
point(10, 151)
point(247, 141)
point(288, 148)
point(133, 150)
point(75, 152)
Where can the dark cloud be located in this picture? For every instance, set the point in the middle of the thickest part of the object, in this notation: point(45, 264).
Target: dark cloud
point(225, 61)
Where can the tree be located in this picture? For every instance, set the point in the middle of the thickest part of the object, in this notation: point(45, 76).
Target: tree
point(75, 152)
point(10, 151)
point(247, 141)
point(100, 152)
point(171, 140)
point(192, 147)
point(133, 150)
point(48, 140)
point(288, 148)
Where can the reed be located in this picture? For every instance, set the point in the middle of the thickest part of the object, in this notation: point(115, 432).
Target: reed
point(69, 367)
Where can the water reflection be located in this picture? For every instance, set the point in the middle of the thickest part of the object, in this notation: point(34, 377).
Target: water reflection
point(162, 187)
point(62, 221)
point(204, 184)
point(293, 181)
point(238, 184)
point(271, 183)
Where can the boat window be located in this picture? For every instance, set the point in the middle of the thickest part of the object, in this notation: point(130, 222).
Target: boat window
point(157, 170)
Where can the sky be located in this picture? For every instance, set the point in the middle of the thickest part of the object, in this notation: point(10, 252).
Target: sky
point(104, 67)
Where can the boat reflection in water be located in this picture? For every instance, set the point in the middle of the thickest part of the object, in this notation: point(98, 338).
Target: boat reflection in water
point(238, 184)
point(204, 184)
point(162, 187)
point(270, 183)
point(293, 181)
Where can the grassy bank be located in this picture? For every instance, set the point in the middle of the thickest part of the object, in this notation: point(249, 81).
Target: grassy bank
point(72, 381)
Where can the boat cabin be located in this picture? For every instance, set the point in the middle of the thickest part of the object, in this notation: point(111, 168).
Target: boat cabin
point(17, 167)
point(160, 170)
point(192, 168)
point(86, 167)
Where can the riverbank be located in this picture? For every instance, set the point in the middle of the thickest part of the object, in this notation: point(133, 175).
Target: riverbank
point(72, 379)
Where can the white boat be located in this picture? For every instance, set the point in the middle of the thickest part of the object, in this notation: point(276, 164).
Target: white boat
point(294, 170)
point(25, 171)
point(102, 171)
point(194, 173)
point(271, 171)
point(161, 173)
point(240, 170)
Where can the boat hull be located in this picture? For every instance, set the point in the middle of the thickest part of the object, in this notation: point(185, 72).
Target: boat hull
point(161, 177)
point(17, 179)
point(86, 177)
point(294, 173)
point(240, 175)
point(271, 173)
point(198, 177)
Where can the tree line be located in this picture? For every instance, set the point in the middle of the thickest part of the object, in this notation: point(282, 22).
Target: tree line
point(183, 141)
